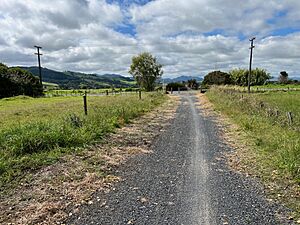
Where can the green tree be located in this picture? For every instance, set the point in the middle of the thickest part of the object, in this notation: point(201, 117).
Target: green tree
point(146, 70)
point(175, 86)
point(240, 76)
point(283, 77)
point(15, 81)
point(217, 77)
point(193, 84)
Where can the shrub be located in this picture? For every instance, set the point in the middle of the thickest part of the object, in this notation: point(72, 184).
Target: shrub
point(15, 81)
point(217, 78)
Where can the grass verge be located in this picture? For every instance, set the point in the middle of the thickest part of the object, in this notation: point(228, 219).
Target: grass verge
point(37, 132)
point(272, 145)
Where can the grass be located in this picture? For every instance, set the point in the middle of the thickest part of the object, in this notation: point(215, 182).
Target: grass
point(278, 86)
point(274, 144)
point(37, 132)
point(273, 135)
point(76, 92)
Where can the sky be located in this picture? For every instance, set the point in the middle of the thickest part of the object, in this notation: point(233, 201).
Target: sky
point(189, 37)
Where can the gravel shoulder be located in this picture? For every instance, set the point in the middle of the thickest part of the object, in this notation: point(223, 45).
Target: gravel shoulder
point(183, 180)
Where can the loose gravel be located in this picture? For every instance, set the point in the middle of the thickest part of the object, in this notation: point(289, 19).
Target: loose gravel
point(185, 180)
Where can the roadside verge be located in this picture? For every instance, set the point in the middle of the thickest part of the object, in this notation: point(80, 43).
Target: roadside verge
point(250, 159)
point(47, 195)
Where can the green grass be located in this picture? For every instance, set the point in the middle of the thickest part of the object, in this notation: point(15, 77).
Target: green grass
point(76, 92)
point(38, 131)
point(277, 86)
point(275, 141)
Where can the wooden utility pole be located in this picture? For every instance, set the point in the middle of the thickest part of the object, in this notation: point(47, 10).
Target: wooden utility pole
point(250, 64)
point(39, 61)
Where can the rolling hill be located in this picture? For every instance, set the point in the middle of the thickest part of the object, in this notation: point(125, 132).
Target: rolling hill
point(76, 80)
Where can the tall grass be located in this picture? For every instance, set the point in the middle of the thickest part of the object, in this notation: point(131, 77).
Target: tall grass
point(276, 141)
point(39, 140)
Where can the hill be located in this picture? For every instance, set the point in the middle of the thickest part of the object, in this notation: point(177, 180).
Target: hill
point(76, 80)
point(181, 79)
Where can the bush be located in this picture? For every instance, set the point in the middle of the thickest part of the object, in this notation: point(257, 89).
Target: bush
point(217, 78)
point(175, 86)
point(240, 76)
point(15, 81)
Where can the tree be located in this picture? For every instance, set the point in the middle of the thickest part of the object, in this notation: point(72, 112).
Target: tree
point(15, 81)
point(145, 70)
point(217, 77)
point(175, 86)
point(283, 77)
point(240, 76)
point(193, 84)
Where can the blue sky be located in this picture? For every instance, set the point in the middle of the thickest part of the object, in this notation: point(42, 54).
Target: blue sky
point(189, 37)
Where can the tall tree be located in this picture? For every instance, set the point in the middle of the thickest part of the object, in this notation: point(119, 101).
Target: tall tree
point(193, 84)
point(146, 70)
point(283, 77)
point(239, 76)
point(217, 77)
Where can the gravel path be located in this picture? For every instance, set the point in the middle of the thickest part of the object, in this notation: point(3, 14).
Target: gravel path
point(184, 181)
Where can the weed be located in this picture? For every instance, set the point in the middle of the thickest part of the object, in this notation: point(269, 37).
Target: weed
point(37, 132)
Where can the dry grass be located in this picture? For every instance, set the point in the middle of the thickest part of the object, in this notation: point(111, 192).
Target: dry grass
point(46, 196)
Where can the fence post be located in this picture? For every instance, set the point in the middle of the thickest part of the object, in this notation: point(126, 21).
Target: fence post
point(85, 103)
point(106, 92)
point(140, 94)
point(290, 117)
point(179, 90)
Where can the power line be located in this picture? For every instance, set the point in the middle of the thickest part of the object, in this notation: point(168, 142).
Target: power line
point(250, 63)
point(39, 61)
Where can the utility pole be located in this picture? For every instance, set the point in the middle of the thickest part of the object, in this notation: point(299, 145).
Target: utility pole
point(39, 61)
point(250, 64)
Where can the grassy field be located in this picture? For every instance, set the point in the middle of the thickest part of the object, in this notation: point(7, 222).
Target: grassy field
point(267, 87)
point(56, 93)
point(36, 132)
point(273, 143)
point(263, 116)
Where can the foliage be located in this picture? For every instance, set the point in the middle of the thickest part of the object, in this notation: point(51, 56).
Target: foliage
point(146, 70)
point(15, 81)
point(193, 84)
point(36, 131)
point(283, 77)
point(175, 86)
point(240, 76)
point(217, 78)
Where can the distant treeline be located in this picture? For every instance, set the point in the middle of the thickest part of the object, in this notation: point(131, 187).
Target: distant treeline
point(240, 77)
point(15, 81)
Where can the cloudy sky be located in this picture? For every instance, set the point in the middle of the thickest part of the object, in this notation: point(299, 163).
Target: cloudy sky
point(189, 37)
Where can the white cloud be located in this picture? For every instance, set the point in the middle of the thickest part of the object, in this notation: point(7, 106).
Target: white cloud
point(189, 37)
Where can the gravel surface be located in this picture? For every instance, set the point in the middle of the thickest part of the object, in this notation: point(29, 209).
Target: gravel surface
point(184, 181)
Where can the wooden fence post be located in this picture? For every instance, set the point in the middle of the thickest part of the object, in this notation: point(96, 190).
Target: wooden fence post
point(85, 103)
point(140, 94)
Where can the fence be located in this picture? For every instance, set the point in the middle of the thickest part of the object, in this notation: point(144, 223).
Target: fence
point(252, 105)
